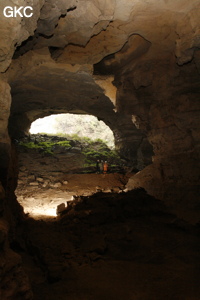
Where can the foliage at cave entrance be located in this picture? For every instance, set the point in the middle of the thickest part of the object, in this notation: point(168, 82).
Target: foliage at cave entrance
point(92, 150)
point(68, 125)
point(47, 147)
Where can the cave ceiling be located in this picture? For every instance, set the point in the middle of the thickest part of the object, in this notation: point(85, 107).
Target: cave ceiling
point(133, 64)
point(71, 55)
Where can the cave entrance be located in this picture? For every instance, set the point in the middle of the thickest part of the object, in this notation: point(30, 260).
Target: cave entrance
point(57, 162)
point(74, 125)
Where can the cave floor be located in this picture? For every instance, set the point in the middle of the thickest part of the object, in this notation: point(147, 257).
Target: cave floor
point(112, 246)
point(40, 197)
point(106, 244)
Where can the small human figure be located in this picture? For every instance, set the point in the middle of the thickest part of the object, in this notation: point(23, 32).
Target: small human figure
point(101, 166)
point(98, 166)
point(105, 167)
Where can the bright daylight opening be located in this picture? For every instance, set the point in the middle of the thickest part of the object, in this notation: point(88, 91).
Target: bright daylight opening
point(65, 156)
point(72, 124)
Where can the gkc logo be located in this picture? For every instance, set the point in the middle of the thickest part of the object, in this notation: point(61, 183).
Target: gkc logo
point(22, 11)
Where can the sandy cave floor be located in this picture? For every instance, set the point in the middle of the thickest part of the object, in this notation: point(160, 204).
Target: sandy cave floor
point(40, 199)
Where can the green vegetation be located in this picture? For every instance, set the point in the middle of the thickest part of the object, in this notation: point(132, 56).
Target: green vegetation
point(98, 150)
point(109, 155)
point(92, 150)
point(65, 144)
point(46, 147)
point(79, 126)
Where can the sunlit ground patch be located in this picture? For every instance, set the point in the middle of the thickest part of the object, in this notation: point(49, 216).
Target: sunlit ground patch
point(41, 212)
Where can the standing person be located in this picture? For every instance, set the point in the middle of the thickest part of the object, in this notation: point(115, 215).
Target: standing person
point(98, 166)
point(105, 167)
point(101, 166)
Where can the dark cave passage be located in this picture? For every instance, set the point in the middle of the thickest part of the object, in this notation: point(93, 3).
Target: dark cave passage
point(70, 230)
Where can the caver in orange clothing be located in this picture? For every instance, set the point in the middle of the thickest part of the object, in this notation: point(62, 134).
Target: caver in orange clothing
point(105, 167)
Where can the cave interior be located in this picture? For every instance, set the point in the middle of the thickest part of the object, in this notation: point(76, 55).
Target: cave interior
point(135, 65)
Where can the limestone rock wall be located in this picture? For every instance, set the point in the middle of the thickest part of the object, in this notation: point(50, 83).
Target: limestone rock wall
point(151, 48)
point(5, 101)
point(14, 283)
point(156, 98)
point(73, 90)
point(15, 30)
point(170, 118)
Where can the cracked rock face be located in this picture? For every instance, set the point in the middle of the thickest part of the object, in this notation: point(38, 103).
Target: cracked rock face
point(133, 64)
point(64, 57)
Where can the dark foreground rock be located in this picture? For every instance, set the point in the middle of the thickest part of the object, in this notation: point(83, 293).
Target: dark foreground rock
point(112, 246)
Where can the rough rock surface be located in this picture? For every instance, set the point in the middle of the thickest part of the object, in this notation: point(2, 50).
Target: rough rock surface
point(65, 97)
point(108, 246)
point(53, 63)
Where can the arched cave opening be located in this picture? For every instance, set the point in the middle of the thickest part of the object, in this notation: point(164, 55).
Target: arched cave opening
point(134, 65)
point(46, 94)
point(74, 125)
point(65, 156)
